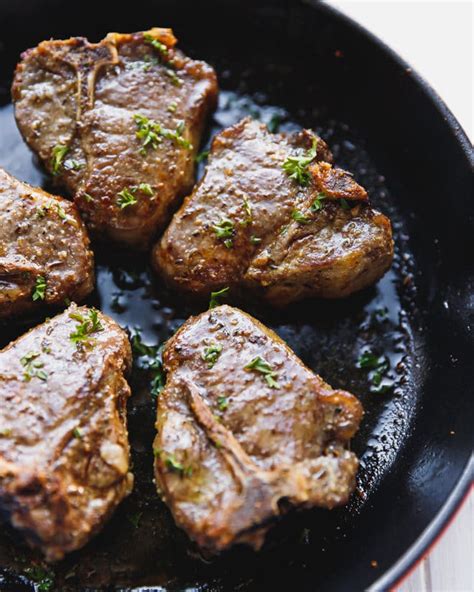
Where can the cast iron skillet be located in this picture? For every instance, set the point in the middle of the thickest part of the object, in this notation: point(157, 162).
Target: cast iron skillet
point(297, 63)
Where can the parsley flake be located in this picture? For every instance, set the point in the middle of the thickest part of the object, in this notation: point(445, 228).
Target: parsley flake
point(58, 154)
point(262, 366)
point(202, 156)
point(296, 166)
point(317, 203)
point(222, 403)
point(161, 47)
point(39, 292)
point(211, 354)
point(299, 217)
point(33, 367)
point(87, 325)
point(126, 198)
point(151, 133)
point(225, 231)
point(214, 301)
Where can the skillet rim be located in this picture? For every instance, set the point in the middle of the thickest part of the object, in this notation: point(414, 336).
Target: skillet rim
point(433, 532)
point(401, 568)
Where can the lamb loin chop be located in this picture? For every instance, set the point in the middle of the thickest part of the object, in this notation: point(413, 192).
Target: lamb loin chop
point(118, 123)
point(246, 430)
point(272, 215)
point(64, 453)
point(44, 249)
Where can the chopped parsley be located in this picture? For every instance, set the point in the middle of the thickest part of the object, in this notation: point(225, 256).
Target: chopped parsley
point(145, 188)
point(33, 367)
point(41, 576)
point(248, 209)
point(161, 47)
point(148, 358)
point(215, 296)
point(87, 197)
point(39, 292)
point(296, 166)
point(222, 403)
point(202, 156)
point(174, 465)
point(175, 79)
point(299, 217)
point(255, 240)
point(134, 519)
point(151, 133)
point(58, 154)
point(377, 366)
point(61, 212)
point(317, 203)
point(260, 365)
point(211, 354)
point(126, 198)
point(225, 231)
point(87, 326)
point(345, 204)
point(274, 124)
point(77, 433)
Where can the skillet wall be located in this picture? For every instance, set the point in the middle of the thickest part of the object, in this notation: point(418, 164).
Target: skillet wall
point(425, 160)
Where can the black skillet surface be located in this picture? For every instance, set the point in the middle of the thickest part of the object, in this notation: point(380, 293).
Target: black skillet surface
point(297, 64)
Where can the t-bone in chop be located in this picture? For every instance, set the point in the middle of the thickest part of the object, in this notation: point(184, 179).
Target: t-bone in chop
point(64, 453)
point(44, 249)
point(118, 123)
point(246, 430)
point(273, 215)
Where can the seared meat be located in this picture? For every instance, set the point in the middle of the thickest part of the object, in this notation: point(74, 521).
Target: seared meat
point(44, 249)
point(64, 453)
point(118, 123)
point(273, 215)
point(244, 429)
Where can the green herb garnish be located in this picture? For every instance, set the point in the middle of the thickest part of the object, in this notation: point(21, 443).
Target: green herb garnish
point(202, 156)
point(274, 124)
point(145, 188)
point(151, 133)
point(134, 519)
point(32, 367)
point(77, 433)
point(222, 403)
point(255, 240)
point(345, 204)
point(248, 209)
point(61, 212)
point(172, 107)
point(177, 467)
point(262, 366)
point(87, 197)
point(148, 357)
point(214, 301)
point(211, 354)
point(225, 231)
point(58, 154)
point(126, 198)
point(39, 292)
point(87, 326)
point(41, 576)
point(317, 203)
point(175, 79)
point(299, 217)
point(377, 367)
point(296, 166)
point(161, 47)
